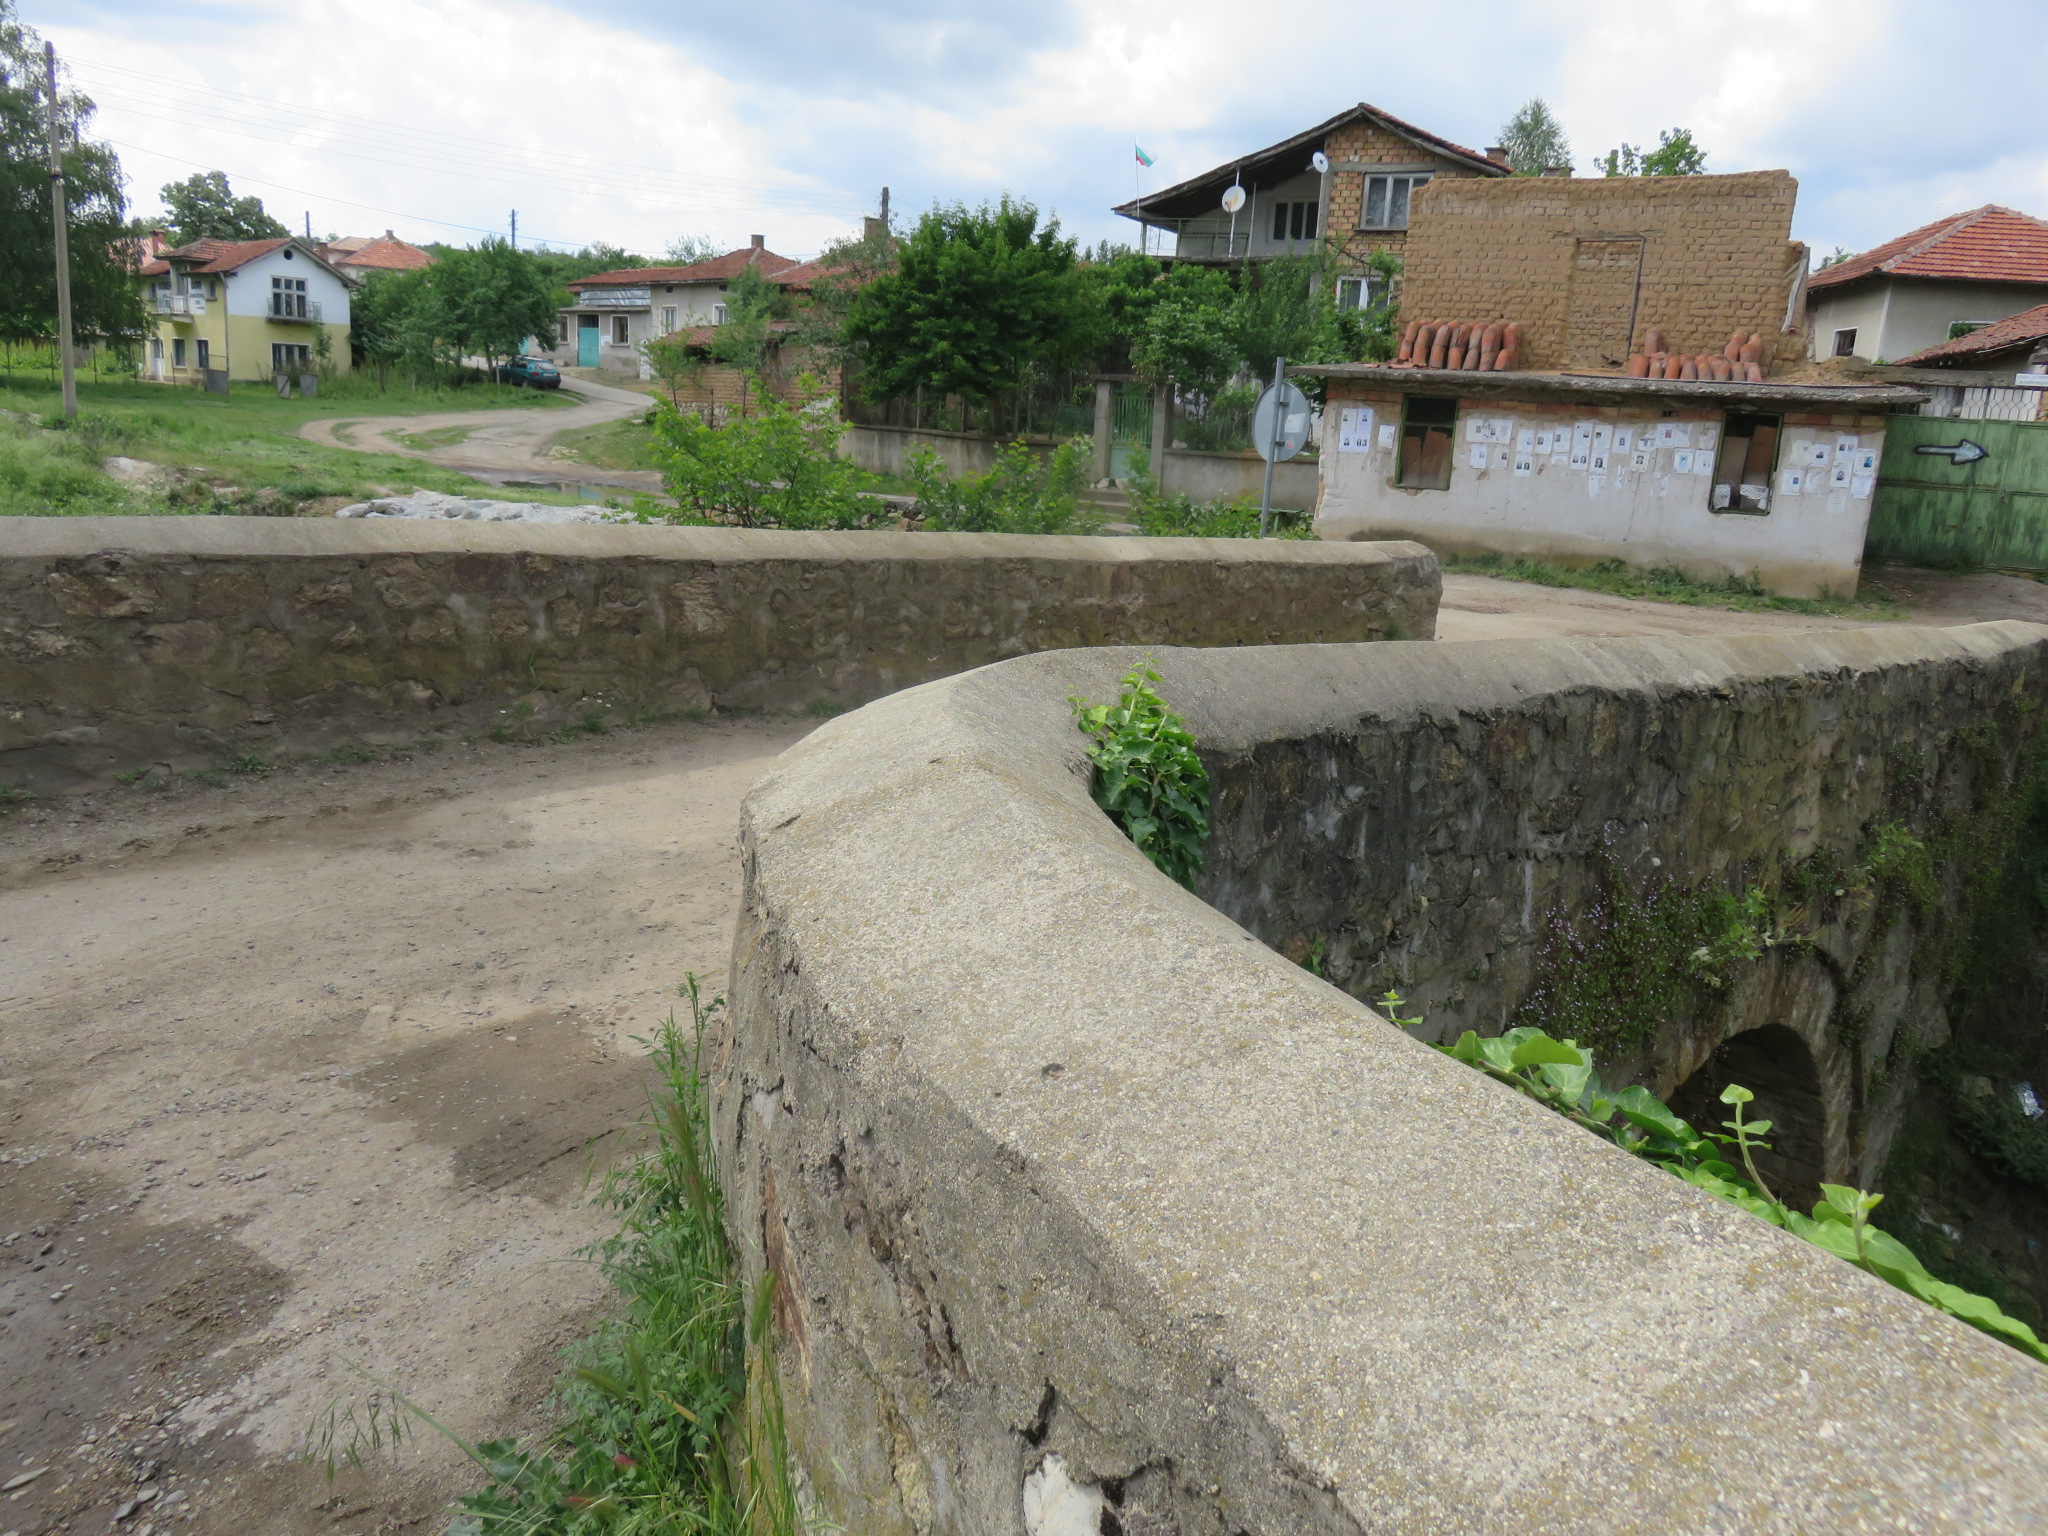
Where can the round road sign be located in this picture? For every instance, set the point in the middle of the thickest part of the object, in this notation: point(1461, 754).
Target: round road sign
point(1280, 423)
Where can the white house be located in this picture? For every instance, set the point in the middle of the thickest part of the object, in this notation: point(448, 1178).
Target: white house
point(251, 309)
point(616, 313)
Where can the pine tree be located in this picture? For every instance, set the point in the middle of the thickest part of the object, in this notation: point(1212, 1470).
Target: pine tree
point(1535, 140)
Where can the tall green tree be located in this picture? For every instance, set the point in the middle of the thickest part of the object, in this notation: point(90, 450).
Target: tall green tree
point(1675, 155)
point(204, 207)
point(977, 299)
point(1190, 333)
point(105, 301)
point(1535, 139)
point(485, 301)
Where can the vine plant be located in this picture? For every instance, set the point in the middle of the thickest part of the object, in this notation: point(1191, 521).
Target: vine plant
point(1148, 776)
point(1560, 1075)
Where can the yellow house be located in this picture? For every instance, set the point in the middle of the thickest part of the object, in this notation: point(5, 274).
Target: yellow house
point(249, 309)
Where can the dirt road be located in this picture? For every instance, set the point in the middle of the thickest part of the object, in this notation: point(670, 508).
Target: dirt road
point(503, 445)
point(301, 1077)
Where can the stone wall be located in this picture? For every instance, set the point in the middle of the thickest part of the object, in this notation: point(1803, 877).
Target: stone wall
point(129, 641)
point(1090, 1212)
point(1716, 255)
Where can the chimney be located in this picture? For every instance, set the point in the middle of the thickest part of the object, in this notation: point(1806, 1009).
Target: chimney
point(1497, 153)
point(390, 236)
point(760, 242)
point(1557, 170)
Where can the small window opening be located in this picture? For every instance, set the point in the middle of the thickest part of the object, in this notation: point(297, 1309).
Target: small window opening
point(1845, 342)
point(1429, 424)
point(1361, 292)
point(1294, 221)
point(1386, 201)
point(621, 330)
point(1743, 468)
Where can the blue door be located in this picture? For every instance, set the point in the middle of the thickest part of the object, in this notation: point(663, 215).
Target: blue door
point(586, 341)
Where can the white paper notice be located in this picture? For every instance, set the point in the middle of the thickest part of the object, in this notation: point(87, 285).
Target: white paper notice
point(1709, 435)
point(1865, 462)
point(1818, 454)
point(1475, 429)
point(1598, 463)
point(1640, 458)
point(1792, 482)
point(1603, 441)
point(1838, 478)
point(1838, 503)
point(1860, 486)
point(1681, 462)
point(1673, 434)
point(1387, 434)
point(1595, 484)
point(1722, 494)
point(1354, 429)
point(1479, 455)
point(1846, 446)
point(1542, 444)
point(1525, 464)
point(1525, 441)
point(1623, 437)
point(1582, 444)
point(1503, 430)
point(1702, 462)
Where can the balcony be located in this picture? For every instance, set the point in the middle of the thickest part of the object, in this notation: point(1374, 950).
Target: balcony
point(294, 309)
point(179, 306)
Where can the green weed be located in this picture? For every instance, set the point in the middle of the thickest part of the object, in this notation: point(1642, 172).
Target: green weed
point(1148, 776)
point(1665, 584)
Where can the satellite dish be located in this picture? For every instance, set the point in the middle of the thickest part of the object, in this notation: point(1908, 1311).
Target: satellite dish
point(1319, 162)
point(1233, 199)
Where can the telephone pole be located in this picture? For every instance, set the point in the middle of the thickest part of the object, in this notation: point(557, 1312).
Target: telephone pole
point(515, 229)
point(60, 209)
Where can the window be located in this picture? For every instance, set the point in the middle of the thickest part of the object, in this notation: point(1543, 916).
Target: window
point(1742, 472)
point(290, 357)
point(1428, 424)
point(718, 314)
point(1845, 342)
point(565, 332)
point(1294, 221)
point(1958, 329)
point(177, 352)
point(205, 354)
point(668, 318)
point(288, 298)
point(1361, 292)
point(622, 330)
point(1386, 200)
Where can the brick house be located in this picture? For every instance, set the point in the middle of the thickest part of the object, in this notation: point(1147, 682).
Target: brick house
point(1562, 450)
point(1360, 204)
point(616, 313)
point(1929, 286)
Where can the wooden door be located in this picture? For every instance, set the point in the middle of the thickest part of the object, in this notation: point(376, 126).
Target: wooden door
point(1605, 276)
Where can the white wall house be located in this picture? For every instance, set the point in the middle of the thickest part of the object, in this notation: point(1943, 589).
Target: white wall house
point(617, 313)
point(1930, 286)
point(251, 309)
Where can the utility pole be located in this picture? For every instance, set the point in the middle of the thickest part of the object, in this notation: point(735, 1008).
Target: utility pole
point(60, 210)
point(885, 213)
point(309, 226)
point(515, 229)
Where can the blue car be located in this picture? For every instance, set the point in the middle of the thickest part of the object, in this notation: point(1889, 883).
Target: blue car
point(533, 372)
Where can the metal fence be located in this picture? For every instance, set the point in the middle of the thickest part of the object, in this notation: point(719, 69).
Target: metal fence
point(1993, 511)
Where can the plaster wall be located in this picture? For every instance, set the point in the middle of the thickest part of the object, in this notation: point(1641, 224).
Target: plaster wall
point(1898, 317)
point(131, 641)
point(1068, 1183)
point(1810, 543)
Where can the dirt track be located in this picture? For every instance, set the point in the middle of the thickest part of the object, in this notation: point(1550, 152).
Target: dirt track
point(304, 1074)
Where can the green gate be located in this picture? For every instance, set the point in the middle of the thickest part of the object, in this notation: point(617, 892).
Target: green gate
point(1932, 511)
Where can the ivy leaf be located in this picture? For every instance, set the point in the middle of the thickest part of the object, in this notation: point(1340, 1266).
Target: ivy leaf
point(1540, 1049)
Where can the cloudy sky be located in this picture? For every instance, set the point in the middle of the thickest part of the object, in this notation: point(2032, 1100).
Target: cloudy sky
point(636, 121)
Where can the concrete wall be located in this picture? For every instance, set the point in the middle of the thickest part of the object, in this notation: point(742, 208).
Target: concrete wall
point(126, 641)
point(1717, 254)
point(1078, 1195)
point(1811, 542)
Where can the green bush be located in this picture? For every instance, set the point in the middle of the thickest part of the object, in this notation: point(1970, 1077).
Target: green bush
point(1023, 493)
point(45, 473)
point(777, 468)
point(1148, 776)
point(1175, 515)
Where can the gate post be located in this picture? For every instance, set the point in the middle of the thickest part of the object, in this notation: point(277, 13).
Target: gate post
point(1104, 391)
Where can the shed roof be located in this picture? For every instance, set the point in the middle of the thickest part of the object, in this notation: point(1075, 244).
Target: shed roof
point(384, 253)
point(718, 269)
point(1989, 244)
point(1278, 162)
point(1616, 389)
point(2029, 325)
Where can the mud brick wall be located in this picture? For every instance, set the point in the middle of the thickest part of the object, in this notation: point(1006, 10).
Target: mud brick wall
point(1717, 255)
point(131, 641)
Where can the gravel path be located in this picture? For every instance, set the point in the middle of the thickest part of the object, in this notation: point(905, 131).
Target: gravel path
point(506, 445)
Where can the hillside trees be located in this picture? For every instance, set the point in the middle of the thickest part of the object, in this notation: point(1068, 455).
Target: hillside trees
point(104, 299)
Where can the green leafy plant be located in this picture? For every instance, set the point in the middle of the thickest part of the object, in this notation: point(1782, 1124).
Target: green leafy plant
point(1023, 493)
point(1901, 863)
point(1560, 1075)
point(1148, 776)
point(778, 468)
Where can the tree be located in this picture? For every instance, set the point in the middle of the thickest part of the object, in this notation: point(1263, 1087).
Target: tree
point(779, 469)
point(1534, 139)
point(1189, 334)
point(204, 207)
point(688, 250)
point(104, 299)
point(1675, 155)
point(977, 297)
point(485, 301)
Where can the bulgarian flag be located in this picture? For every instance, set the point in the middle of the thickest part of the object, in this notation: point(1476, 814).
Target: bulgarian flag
point(1143, 158)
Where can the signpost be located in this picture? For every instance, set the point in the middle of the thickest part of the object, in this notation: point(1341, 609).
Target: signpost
point(1279, 431)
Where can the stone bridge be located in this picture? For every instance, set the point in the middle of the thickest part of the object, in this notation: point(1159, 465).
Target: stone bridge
point(1092, 1212)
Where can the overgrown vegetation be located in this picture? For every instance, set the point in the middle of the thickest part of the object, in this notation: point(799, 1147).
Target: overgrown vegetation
point(1176, 515)
point(776, 468)
point(1560, 1075)
point(1665, 584)
point(1148, 776)
point(1024, 492)
point(671, 1414)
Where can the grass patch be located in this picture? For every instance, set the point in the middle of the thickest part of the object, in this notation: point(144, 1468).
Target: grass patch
point(435, 437)
point(236, 453)
point(1666, 585)
point(627, 444)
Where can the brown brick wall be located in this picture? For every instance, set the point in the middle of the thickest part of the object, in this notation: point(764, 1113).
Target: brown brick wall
point(1717, 257)
point(1375, 146)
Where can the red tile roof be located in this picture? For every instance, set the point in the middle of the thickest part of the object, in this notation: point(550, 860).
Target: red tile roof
point(718, 269)
point(1989, 244)
point(704, 335)
point(2013, 331)
point(383, 254)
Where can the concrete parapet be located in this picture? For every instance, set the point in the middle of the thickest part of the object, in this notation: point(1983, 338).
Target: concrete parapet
point(125, 641)
point(1090, 1212)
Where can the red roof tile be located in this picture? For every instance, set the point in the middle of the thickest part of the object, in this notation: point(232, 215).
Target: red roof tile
point(210, 255)
point(717, 270)
point(2013, 331)
point(383, 254)
point(1989, 244)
